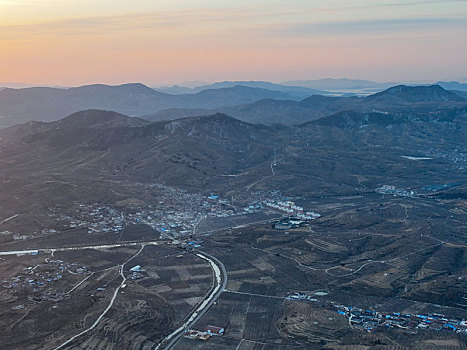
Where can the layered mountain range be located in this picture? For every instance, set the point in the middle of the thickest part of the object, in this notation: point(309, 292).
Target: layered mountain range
point(344, 137)
point(48, 104)
point(398, 99)
point(256, 103)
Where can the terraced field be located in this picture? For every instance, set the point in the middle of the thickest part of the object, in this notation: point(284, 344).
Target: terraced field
point(169, 285)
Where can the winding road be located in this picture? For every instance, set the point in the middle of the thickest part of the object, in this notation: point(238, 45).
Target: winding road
point(220, 282)
point(96, 322)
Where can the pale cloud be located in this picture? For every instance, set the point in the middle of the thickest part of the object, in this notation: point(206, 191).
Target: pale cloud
point(281, 21)
point(117, 40)
point(254, 14)
point(391, 26)
point(136, 21)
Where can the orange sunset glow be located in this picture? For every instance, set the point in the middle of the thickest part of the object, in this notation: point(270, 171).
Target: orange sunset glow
point(68, 42)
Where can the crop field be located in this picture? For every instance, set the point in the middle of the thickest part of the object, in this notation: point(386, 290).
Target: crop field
point(355, 257)
point(371, 250)
point(249, 323)
point(168, 285)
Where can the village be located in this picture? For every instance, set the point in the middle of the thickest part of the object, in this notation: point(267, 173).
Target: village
point(37, 280)
point(370, 320)
point(175, 213)
point(361, 319)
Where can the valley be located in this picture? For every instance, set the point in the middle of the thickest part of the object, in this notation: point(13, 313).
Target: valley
point(115, 230)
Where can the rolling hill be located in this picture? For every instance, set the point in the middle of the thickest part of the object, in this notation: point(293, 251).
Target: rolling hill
point(399, 99)
point(48, 104)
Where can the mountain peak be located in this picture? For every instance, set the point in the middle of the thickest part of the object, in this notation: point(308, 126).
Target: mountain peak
point(130, 88)
point(417, 94)
point(95, 118)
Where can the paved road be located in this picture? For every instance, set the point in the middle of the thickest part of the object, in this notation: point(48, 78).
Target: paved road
point(64, 249)
point(198, 223)
point(220, 282)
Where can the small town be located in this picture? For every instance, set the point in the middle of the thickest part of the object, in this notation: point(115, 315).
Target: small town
point(175, 213)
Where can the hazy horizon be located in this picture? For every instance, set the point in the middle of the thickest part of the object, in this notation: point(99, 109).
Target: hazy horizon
point(163, 43)
point(194, 84)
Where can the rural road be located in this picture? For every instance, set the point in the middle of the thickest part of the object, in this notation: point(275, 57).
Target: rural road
point(122, 285)
point(220, 282)
point(64, 249)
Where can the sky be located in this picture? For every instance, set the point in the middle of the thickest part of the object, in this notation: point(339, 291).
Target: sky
point(158, 42)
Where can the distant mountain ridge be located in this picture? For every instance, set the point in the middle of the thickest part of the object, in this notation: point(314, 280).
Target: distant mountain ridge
point(294, 91)
point(415, 94)
point(452, 85)
point(398, 99)
point(339, 84)
point(47, 104)
point(250, 104)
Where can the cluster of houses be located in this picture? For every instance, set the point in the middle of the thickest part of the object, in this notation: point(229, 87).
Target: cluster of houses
point(370, 320)
point(297, 216)
point(291, 209)
point(23, 237)
point(95, 217)
point(205, 334)
point(455, 155)
point(391, 189)
point(36, 280)
point(136, 272)
point(288, 223)
point(300, 297)
point(175, 212)
point(51, 296)
point(38, 277)
point(188, 245)
point(172, 211)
